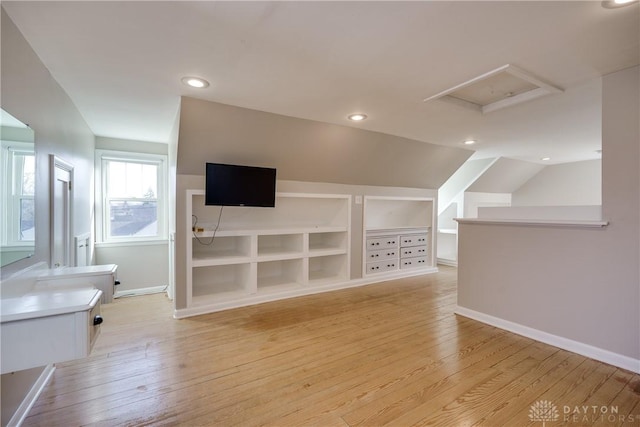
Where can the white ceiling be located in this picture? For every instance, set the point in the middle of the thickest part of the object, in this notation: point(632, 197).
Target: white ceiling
point(121, 63)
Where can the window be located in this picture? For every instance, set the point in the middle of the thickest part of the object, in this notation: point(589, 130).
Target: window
point(131, 197)
point(18, 184)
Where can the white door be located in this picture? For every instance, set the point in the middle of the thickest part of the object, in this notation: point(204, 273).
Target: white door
point(61, 200)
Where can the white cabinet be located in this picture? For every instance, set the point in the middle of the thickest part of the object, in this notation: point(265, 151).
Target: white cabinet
point(40, 328)
point(103, 277)
point(397, 236)
point(253, 255)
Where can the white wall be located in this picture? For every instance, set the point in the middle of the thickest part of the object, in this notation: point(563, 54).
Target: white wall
point(475, 200)
point(457, 183)
point(30, 94)
point(567, 184)
point(577, 286)
point(140, 266)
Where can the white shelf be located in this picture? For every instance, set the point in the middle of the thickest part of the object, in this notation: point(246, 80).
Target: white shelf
point(301, 243)
point(534, 222)
point(326, 252)
point(254, 231)
point(221, 260)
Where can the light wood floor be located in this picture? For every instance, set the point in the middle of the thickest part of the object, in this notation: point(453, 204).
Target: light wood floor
point(384, 354)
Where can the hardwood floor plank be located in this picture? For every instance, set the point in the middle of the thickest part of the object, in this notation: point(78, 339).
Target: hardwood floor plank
point(391, 353)
point(516, 406)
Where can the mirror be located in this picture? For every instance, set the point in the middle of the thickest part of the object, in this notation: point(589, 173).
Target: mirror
point(17, 188)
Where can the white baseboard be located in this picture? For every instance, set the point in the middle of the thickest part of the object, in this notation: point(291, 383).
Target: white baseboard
point(30, 399)
point(141, 291)
point(606, 356)
point(449, 262)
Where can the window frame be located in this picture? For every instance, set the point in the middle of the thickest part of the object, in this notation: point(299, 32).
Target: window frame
point(12, 208)
point(102, 197)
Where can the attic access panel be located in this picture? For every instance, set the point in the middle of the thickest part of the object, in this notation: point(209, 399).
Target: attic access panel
point(503, 87)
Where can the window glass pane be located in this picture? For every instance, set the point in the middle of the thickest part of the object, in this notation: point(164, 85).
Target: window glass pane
point(28, 175)
point(24, 166)
point(132, 180)
point(133, 218)
point(27, 220)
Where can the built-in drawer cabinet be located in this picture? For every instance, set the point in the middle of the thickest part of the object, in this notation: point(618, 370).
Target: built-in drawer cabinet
point(413, 240)
point(382, 266)
point(413, 262)
point(386, 251)
point(384, 242)
point(413, 251)
point(381, 255)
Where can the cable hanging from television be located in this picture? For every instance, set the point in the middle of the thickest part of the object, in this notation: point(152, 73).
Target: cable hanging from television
point(215, 230)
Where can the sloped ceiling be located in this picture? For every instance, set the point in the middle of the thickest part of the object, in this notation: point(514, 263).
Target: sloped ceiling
point(505, 176)
point(306, 150)
point(121, 63)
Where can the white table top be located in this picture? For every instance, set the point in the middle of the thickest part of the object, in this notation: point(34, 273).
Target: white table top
point(42, 304)
point(89, 270)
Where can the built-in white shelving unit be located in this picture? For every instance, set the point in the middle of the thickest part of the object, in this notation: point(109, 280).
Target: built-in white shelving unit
point(299, 247)
point(398, 236)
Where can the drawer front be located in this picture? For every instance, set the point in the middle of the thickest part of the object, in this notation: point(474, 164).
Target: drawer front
point(413, 262)
point(383, 254)
point(94, 329)
point(413, 240)
point(413, 251)
point(382, 242)
point(380, 266)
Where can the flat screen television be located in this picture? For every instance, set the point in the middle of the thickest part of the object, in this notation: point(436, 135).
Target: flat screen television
point(236, 185)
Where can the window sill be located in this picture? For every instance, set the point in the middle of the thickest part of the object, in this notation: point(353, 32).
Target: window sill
point(158, 242)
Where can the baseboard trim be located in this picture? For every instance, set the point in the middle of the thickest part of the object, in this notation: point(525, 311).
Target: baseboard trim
point(30, 399)
point(449, 262)
point(141, 291)
point(606, 356)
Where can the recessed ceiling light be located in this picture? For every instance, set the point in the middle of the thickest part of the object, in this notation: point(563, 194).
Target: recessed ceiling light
point(545, 158)
point(357, 117)
point(196, 82)
point(612, 4)
point(469, 142)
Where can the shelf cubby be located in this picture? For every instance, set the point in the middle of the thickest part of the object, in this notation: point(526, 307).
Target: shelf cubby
point(280, 273)
point(327, 269)
point(222, 249)
point(280, 245)
point(220, 279)
point(327, 242)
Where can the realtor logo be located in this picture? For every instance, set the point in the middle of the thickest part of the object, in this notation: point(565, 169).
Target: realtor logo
point(543, 410)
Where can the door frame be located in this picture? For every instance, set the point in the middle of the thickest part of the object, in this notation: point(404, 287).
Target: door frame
point(56, 163)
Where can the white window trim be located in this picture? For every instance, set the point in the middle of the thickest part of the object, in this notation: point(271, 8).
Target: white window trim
point(11, 208)
point(100, 199)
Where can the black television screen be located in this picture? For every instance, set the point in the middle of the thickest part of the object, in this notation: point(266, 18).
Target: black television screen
point(235, 185)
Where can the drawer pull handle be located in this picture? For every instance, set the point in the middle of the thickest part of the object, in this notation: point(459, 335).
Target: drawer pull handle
point(97, 320)
point(117, 282)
